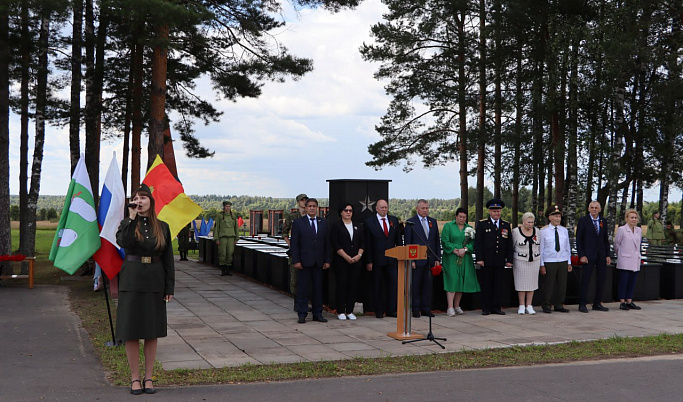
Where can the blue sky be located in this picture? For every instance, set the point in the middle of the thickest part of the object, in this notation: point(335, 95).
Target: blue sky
point(296, 135)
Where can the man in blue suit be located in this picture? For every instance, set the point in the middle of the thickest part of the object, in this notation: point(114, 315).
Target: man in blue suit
point(311, 254)
point(382, 233)
point(592, 244)
point(423, 230)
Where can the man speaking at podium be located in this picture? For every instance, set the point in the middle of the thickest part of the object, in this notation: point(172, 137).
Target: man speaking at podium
point(423, 230)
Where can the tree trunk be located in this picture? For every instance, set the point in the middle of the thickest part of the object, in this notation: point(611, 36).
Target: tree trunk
point(481, 148)
point(497, 103)
point(158, 96)
point(92, 108)
point(614, 169)
point(128, 119)
point(41, 102)
point(138, 70)
point(462, 113)
point(25, 233)
point(5, 227)
point(76, 77)
point(572, 165)
point(519, 114)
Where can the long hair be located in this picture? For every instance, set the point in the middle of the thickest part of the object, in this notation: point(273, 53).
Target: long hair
point(153, 222)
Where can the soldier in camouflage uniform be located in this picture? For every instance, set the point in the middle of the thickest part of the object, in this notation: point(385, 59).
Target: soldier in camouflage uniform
point(225, 233)
point(184, 242)
point(286, 228)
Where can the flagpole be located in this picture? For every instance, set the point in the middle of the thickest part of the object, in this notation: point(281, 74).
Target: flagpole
point(113, 342)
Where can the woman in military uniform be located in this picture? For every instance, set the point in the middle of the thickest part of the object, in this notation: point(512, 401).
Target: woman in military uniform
point(225, 234)
point(146, 284)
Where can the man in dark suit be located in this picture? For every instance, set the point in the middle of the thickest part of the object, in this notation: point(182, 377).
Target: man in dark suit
point(311, 254)
point(382, 233)
point(423, 230)
point(493, 250)
point(592, 244)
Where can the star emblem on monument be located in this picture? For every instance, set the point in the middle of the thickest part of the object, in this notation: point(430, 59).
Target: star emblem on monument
point(367, 204)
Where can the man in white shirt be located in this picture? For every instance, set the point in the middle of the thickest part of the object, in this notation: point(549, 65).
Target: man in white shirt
point(555, 261)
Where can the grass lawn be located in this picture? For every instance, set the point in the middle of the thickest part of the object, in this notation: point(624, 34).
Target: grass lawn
point(91, 308)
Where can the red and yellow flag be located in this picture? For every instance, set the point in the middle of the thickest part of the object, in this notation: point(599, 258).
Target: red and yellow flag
point(172, 205)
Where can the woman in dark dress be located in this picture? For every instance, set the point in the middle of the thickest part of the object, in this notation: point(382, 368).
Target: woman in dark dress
point(347, 241)
point(146, 284)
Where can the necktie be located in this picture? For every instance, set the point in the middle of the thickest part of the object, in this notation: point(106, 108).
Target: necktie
point(313, 225)
point(425, 226)
point(386, 229)
point(597, 228)
point(557, 240)
point(497, 227)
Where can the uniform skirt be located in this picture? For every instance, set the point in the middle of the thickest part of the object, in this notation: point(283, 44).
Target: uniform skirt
point(526, 275)
point(140, 315)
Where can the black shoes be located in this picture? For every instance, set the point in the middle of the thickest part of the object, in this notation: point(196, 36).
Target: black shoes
point(546, 309)
point(629, 306)
point(302, 320)
point(379, 315)
point(391, 314)
point(561, 310)
point(428, 314)
point(582, 308)
point(416, 314)
point(485, 312)
point(136, 391)
point(600, 307)
point(319, 319)
point(499, 312)
point(148, 390)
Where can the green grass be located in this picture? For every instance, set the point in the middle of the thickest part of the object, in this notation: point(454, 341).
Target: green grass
point(91, 308)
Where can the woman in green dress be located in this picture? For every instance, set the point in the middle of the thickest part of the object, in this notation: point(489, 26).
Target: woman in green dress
point(146, 284)
point(459, 276)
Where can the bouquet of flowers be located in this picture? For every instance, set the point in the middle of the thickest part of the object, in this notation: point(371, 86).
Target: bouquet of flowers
point(469, 235)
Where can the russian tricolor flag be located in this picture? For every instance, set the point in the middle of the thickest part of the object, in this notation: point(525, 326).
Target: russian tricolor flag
point(109, 217)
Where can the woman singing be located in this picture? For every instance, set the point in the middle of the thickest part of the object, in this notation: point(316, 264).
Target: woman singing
point(145, 285)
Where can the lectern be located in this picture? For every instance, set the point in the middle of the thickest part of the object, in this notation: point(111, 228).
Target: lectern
point(404, 255)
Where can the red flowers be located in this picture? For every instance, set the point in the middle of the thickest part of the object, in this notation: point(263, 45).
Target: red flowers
point(16, 257)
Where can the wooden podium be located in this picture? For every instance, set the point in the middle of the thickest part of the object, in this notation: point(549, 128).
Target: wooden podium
point(404, 255)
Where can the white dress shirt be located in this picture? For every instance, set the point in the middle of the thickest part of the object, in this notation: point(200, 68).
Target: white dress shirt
point(548, 253)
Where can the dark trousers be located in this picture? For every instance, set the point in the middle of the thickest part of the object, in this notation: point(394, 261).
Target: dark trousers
point(627, 284)
point(491, 287)
point(385, 281)
point(600, 266)
point(421, 289)
point(554, 284)
point(310, 280)
point(347, 279)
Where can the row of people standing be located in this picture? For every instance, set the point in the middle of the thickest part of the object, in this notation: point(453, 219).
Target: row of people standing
point(528, 250)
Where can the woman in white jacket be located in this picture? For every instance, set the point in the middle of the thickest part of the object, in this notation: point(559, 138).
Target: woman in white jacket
point(627, 248)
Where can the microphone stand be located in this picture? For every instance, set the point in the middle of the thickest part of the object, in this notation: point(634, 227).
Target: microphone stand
point(430, 336)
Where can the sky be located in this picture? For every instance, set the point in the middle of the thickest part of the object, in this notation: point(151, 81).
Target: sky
point(295, 136)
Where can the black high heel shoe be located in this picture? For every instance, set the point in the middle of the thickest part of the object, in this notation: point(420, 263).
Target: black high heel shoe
point(148, 390)
point(135, 391)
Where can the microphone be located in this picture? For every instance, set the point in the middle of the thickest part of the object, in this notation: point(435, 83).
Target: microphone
point(132, 205)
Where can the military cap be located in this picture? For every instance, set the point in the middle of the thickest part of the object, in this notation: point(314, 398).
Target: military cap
point(495, 203)
point(227, 203)
point(553, 210)
point(144, 187)
point(301, 197)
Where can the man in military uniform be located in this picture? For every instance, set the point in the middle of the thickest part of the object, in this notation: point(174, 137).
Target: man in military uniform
point(493, 251)
point(225, 233)
point(184, 242)
point(286, 229)
point(671, 237)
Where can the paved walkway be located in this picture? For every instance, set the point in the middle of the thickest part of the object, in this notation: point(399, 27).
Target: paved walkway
point(226, 321)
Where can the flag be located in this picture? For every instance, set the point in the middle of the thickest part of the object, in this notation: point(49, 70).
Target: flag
point(172, 205)
point(109, 216)
point(77, 236)
point(240, 222)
